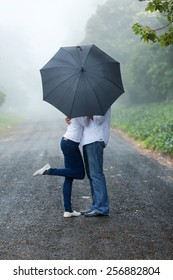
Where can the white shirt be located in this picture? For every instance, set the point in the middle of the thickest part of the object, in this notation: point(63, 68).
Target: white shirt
point(75, 130)
point(97, 129)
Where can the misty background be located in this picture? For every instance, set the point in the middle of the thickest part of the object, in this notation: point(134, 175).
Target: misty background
point(32, 31)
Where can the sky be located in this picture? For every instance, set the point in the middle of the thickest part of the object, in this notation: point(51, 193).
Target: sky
point(31, 32)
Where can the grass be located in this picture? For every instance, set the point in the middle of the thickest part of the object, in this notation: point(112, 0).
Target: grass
point(151, 124)
point(7, 121)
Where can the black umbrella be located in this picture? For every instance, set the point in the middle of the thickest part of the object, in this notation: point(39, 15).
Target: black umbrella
point(81, 81)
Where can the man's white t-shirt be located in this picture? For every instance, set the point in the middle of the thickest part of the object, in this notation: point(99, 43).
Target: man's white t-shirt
point(97, 129)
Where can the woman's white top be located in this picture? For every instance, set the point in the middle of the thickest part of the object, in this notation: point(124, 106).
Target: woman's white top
point(75, 130)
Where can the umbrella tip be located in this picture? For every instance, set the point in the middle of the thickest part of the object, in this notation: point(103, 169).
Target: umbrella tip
point(79, 47)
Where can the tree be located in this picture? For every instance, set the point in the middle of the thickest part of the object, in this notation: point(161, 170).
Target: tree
point(163, 8)
point(147, 70)
point(149, 74)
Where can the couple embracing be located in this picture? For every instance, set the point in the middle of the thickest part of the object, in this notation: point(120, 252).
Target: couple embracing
point(92, 133)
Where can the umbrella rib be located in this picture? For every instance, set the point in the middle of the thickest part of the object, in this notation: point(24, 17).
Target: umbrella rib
point(50, 79)
point(95, 94)
point(72, 57)
point(60, 84)
point(66, 67)
point(87, 57)
point(106, 80)
point(101, 76)
point(75, 93)
point(93, 65)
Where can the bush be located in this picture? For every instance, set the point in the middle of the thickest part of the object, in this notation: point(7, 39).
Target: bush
point(7, 121)
point(152, 124)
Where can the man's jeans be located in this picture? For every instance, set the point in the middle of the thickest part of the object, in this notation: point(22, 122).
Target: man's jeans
point(93, 157)
point(74, 169)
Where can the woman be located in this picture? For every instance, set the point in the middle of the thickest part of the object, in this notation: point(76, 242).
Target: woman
point(74, 166)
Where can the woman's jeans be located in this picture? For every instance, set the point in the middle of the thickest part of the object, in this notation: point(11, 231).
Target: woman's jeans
point(93, 157)
point(74, 169)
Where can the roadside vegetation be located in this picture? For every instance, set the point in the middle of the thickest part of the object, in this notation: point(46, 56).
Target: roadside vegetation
point(145, 111)
point(151, 124)
point(7, 121)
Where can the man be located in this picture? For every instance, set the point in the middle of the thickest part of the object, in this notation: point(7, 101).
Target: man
point(94, 140)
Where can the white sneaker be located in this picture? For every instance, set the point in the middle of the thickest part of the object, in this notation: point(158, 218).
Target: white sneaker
point(71, 214)
point(41, 171)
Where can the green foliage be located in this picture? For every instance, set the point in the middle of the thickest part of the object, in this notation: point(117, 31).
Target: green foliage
point(149, 75)
point(148, 34)
point(2, 98)
point(110, 28)
point(147, 70)
point(151, 124)
point(7, 120)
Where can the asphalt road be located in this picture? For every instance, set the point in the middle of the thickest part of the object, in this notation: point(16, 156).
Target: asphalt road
point(140, 225)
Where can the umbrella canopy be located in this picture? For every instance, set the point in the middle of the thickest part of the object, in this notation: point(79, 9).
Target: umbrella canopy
point(81, 81)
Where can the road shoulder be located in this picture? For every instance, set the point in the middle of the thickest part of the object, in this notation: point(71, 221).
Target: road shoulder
point(160, 157)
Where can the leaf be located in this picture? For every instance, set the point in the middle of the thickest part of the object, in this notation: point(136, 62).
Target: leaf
point(153, 35)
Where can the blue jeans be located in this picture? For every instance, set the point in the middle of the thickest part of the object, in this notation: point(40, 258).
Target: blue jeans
point(93, 157)
point(74, 169)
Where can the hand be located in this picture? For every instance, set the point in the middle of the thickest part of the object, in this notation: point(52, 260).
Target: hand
point(68, 120)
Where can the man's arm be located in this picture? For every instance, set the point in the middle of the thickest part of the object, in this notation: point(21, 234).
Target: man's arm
point(84, 121)
point(100, 119)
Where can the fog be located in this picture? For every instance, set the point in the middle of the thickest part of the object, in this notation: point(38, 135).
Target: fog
point(31, 32)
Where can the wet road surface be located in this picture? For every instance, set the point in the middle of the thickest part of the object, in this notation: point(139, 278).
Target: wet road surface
point(140, 225)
